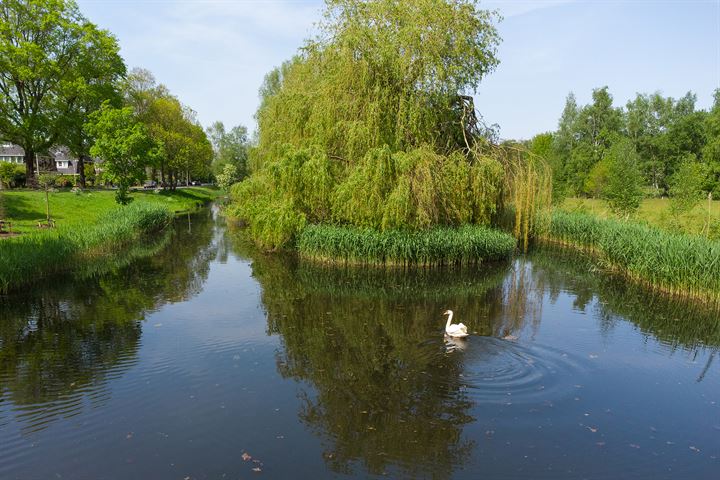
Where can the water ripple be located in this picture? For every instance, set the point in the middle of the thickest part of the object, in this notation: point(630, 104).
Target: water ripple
point(504, 372)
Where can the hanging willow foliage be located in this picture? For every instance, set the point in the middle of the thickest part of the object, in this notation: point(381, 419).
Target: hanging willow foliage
point(371, 125)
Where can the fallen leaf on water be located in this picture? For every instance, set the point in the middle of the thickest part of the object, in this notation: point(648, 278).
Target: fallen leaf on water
point(246, 457)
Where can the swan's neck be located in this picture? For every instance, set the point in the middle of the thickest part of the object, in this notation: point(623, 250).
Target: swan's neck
point(447, 325)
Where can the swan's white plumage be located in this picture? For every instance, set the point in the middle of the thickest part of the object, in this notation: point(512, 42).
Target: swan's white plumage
point(458, 330)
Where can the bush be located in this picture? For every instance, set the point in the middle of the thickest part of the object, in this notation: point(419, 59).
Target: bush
point(623, 181)
point(12, 175)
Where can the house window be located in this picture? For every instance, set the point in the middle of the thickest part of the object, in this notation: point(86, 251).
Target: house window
point(62, 164)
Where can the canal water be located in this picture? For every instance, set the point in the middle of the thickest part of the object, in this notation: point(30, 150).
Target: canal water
point(198, 357)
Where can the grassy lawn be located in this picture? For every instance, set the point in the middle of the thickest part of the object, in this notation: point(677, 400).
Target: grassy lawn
point(654, 211)
point(25, 207)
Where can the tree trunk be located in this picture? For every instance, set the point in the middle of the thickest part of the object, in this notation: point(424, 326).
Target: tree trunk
point(81, 171)
point(30, 179)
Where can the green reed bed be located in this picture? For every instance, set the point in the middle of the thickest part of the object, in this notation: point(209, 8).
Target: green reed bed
point(469, 244)
point(29, 258)
point(678, 264)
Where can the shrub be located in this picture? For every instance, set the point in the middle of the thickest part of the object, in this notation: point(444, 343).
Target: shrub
point(12, 175)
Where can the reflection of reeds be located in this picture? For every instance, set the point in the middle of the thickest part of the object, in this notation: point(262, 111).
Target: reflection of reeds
point(677, 264)
point(681, 323)
point(29, 258)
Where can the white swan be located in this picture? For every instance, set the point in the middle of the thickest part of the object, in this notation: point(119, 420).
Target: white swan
point(458, 330)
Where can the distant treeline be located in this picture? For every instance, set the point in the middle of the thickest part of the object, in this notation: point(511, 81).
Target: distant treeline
point(665, 133)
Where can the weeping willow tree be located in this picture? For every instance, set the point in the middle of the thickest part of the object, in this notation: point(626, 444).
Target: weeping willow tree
point(372, 124)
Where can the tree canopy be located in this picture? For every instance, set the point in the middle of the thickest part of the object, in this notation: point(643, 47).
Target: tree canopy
point(55, 66)
point(372, 123)
point(663, 130)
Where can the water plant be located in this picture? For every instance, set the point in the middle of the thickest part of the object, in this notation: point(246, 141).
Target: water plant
point(679, 264)
point(469, 244)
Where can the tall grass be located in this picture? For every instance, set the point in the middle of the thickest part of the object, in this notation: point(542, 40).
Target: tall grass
point(469, 244)
point(32, 257)
point(682, 265)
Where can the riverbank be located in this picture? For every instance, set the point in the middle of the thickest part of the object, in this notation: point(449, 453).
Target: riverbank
point(24, 208)
point(465, 245)
point(678, 264)
point(30, 258)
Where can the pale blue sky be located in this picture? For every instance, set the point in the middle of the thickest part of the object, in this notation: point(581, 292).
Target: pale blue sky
point(213, 54)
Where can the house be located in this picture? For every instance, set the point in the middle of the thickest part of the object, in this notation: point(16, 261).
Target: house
point(65, 162)
point(10, 153)
point(58, 158)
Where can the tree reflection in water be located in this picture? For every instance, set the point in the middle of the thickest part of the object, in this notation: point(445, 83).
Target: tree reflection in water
point(678, 324)
point(60, 344)
point(386, 394)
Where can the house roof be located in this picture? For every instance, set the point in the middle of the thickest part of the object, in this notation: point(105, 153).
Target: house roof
point(10, 150)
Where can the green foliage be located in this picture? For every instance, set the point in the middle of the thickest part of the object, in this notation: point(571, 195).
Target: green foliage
point(30, 258)
point(124, 145)
point(597, 179)
point(227, 177)
point(185, 150)
point(12, 175)
point(90, 174)
point(57, 67)
point(711, 150)
point(623, 187)
point(379, 73)
point(370, 126)
point(686, 186)
point(674, 263)
point(229, 148)
point(663, 130)
point(469, 244)
point(418, 189)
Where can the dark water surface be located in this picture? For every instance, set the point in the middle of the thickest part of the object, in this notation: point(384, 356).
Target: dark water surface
point(186, 363)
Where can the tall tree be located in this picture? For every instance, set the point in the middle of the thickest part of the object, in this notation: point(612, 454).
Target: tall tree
point(229, 148)
point(711, 151)
point(104, 69)
point(596, 126)
point(48, 57)
point(124, 145)
point(623, 185)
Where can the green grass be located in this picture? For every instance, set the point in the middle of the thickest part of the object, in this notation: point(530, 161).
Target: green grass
point(468, 244)
point(27, 259)
point(69, 210)
point(676, 263)
point(656, 212)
